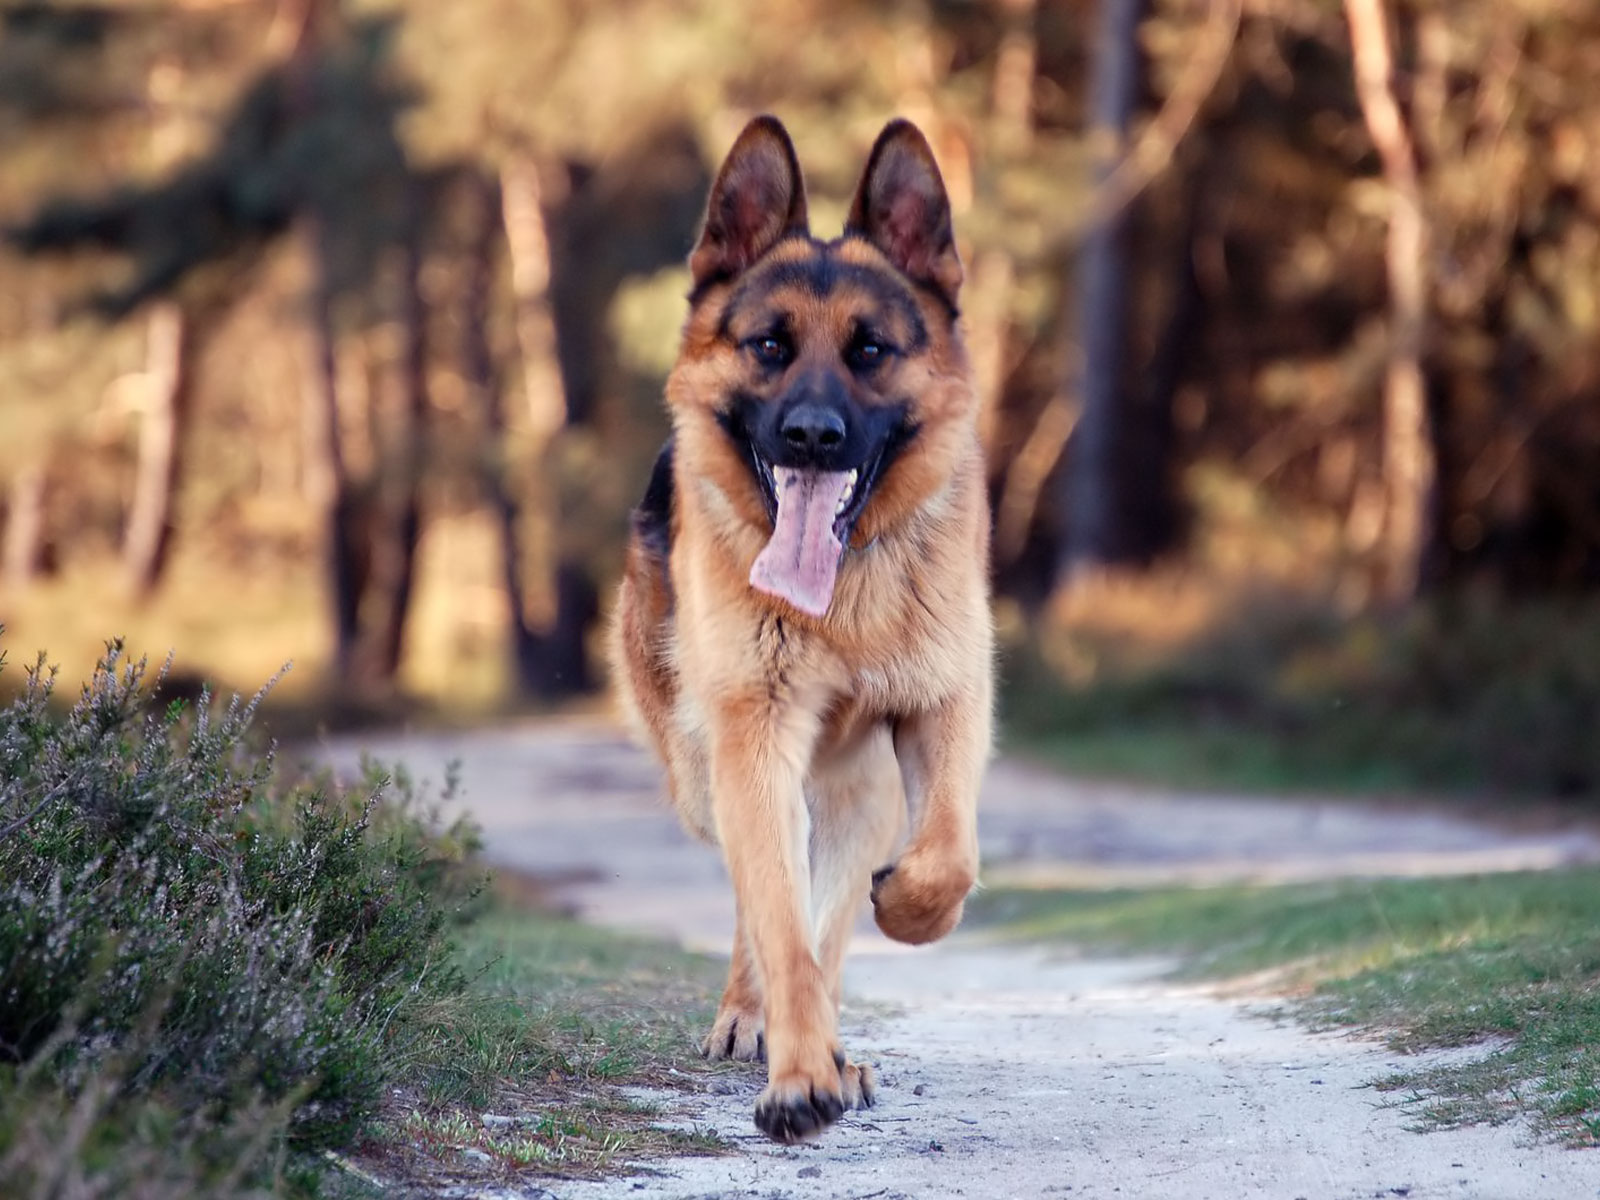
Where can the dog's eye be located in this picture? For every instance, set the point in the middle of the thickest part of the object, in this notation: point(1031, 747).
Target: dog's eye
point(866, 352)
point(770, 351)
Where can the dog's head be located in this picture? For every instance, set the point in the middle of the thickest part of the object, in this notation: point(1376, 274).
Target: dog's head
point(823, 383)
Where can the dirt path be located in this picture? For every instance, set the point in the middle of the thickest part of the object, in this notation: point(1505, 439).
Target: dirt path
point(1007, 1074)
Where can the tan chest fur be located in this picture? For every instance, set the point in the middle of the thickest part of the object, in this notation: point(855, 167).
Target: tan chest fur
point(908, 626)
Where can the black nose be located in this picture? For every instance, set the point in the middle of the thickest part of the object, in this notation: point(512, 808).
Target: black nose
point(809, 427)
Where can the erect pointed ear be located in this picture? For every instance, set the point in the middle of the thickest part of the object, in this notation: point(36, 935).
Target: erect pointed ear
point(758, 199)
point(901, 208)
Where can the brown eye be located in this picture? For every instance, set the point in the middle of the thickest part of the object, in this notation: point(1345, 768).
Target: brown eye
point(867, 352)
point(770, 351)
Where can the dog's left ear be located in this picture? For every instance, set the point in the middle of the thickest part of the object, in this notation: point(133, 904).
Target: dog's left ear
point(902, 209)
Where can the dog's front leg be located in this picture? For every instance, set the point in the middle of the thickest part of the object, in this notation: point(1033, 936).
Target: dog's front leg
point(942, 753)
point(759, 750)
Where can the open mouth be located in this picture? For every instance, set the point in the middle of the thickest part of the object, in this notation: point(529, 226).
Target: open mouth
point(813, 500)
point(813, 512)
point(854, 490)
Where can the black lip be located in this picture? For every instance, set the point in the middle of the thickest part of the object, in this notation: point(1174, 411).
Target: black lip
point(900, 435)
point(766, 480)
point(866, 483)
point(733, 424)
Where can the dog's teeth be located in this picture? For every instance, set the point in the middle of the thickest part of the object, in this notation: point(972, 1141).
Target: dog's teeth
point(850, 481)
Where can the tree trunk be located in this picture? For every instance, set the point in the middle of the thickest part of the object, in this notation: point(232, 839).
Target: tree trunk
point(987, 310)
point(993, 274)
point(326, 481)
point(399, 486)
point(527, 239)
point(24, 546)
point(297, 36)
point(1095, 486)
point(552, 602)
point(532, 497)
point(169, 361)
point(1409, 465)
point(477, 357)
point(1011, 95)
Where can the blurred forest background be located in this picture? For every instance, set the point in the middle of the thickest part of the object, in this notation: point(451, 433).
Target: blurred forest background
point(334, 331)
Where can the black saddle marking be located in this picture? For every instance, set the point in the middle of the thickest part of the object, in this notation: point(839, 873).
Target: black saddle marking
point(652, 520)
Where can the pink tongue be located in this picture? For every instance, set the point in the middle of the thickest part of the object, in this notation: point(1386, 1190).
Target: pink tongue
point(801, 560)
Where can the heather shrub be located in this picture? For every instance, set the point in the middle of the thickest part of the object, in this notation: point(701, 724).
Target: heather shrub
point(198, 950)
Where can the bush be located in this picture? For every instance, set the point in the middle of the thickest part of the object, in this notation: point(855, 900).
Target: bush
point(195, 950)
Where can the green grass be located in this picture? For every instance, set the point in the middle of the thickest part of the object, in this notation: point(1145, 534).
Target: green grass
point(1509, 962)
point(522, 1074)
point(1462, 694)
point(1220, 721)
point(1194, 754)
point(612, 1004)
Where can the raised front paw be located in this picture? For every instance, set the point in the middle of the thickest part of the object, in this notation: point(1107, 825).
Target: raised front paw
point(921, 897)
point(737, 1033)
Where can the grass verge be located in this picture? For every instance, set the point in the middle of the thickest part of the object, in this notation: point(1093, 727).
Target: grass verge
point(1508, 962)
point(1462, 694)
point(526, 1072)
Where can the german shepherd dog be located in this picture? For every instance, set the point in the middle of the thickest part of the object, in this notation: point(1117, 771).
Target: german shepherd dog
point(803, 626)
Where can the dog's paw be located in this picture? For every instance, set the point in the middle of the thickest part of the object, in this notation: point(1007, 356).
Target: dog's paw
point(737, 1034)
point(796, 1108)
point(858, 1085)
point(921, 897)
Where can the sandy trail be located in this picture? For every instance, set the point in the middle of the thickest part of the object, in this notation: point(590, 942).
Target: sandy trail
point(1007, 1072)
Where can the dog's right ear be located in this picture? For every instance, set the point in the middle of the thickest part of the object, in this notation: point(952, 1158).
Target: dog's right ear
point(758, 199)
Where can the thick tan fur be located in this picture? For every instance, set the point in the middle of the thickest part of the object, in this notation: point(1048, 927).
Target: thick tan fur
point(818, 751)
